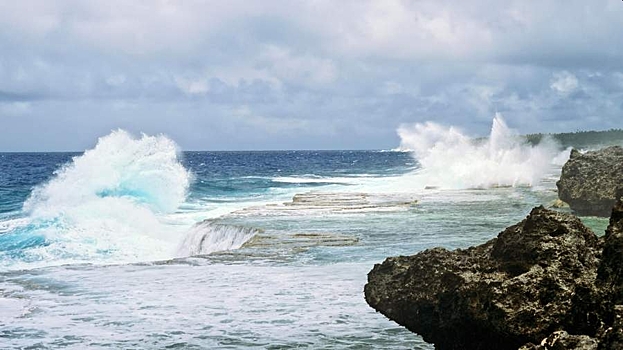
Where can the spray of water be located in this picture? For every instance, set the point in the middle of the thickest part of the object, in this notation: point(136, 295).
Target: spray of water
point(107, 205)
point(450, 159)
point(207, 237)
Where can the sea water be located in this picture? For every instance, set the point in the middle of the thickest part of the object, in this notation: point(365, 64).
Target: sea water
point(137, 244)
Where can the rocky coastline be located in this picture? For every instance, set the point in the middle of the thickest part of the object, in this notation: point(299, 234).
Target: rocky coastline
point(589, 180)
point(547, 282)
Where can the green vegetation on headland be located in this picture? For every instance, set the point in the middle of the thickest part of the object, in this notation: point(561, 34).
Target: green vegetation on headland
point(581, 139)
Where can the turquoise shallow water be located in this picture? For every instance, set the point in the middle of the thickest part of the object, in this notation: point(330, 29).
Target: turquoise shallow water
point(102, 249)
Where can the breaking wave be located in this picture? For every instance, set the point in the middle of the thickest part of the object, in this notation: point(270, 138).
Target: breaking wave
point(207, 237)
point(451, 159)
point(107, 205)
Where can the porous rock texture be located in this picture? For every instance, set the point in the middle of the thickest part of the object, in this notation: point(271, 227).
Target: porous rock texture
point(588, 181)
point(547, 282)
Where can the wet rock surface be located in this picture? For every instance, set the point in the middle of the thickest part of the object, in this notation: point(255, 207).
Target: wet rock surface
point(547, 282)
point(588, 181)
point(317, 203)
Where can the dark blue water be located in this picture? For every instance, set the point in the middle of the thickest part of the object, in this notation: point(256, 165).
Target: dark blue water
point(227, 174)
point(217, 174)
point(20, 172)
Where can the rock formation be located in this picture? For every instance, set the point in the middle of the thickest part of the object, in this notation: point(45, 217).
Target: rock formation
point(588, 181)
point(547, 282)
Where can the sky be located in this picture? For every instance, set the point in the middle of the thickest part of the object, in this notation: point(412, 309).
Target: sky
point(316, 74)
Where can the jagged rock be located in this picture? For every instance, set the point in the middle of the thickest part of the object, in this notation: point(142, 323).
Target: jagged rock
point(610, 272)
point(547, 280)
point(558, 204)
point(536, 277)
point(561, 340)
point(588, 181)
point(612, 339)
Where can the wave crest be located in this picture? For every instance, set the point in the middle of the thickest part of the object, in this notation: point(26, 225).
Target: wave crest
point(144, 170)
point(450, 159)
point(107, 205)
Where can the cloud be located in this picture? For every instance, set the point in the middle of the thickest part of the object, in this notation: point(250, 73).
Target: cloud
point(192, 87)
point(270, 125)
point(116, 80)
point(406, 30)
point(306, 74)
point(564, 83)
point(304, 69)
point(14, 109)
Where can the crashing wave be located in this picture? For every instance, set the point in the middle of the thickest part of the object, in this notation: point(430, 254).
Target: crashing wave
point(107, 205)
point(451, 159)
point(208, 237)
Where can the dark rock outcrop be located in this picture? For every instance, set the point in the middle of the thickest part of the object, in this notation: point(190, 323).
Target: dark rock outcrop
point(561, 340)
point(588, 181)
point(547, 282)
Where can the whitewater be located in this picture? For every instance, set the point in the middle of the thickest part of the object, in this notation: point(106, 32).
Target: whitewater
point(136, 244)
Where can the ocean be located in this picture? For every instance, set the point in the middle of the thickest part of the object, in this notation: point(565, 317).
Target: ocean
point(136, 244)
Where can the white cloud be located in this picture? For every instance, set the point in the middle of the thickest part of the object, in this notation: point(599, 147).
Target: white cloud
point(342, 71)
point(401, 29)
point(192, 86)
point(391, 88)
point(305, 69)
point(270, 125)
point(116, 80)
point(14, 109)
point(564, 83)
point(481, 97)
point(34, 20)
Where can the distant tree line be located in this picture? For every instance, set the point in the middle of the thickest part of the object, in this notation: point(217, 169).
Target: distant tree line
point(581, 139)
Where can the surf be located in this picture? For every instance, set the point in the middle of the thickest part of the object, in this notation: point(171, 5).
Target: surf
point(450, 159)
point(208, 237)
point(109, 205)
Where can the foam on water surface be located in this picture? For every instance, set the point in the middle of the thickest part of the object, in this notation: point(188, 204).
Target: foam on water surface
point(113, 204)
point(203, 307)
point(451, 159)
point(127, 199)
point(297, 246)
point(208, 237)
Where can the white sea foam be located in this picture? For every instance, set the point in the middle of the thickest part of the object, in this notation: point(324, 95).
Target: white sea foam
point(207, 237)
point(109, 203)
point(562, 157)
point(144, 169)
point(11, 224)
point(451, 159)
point(313, 180)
